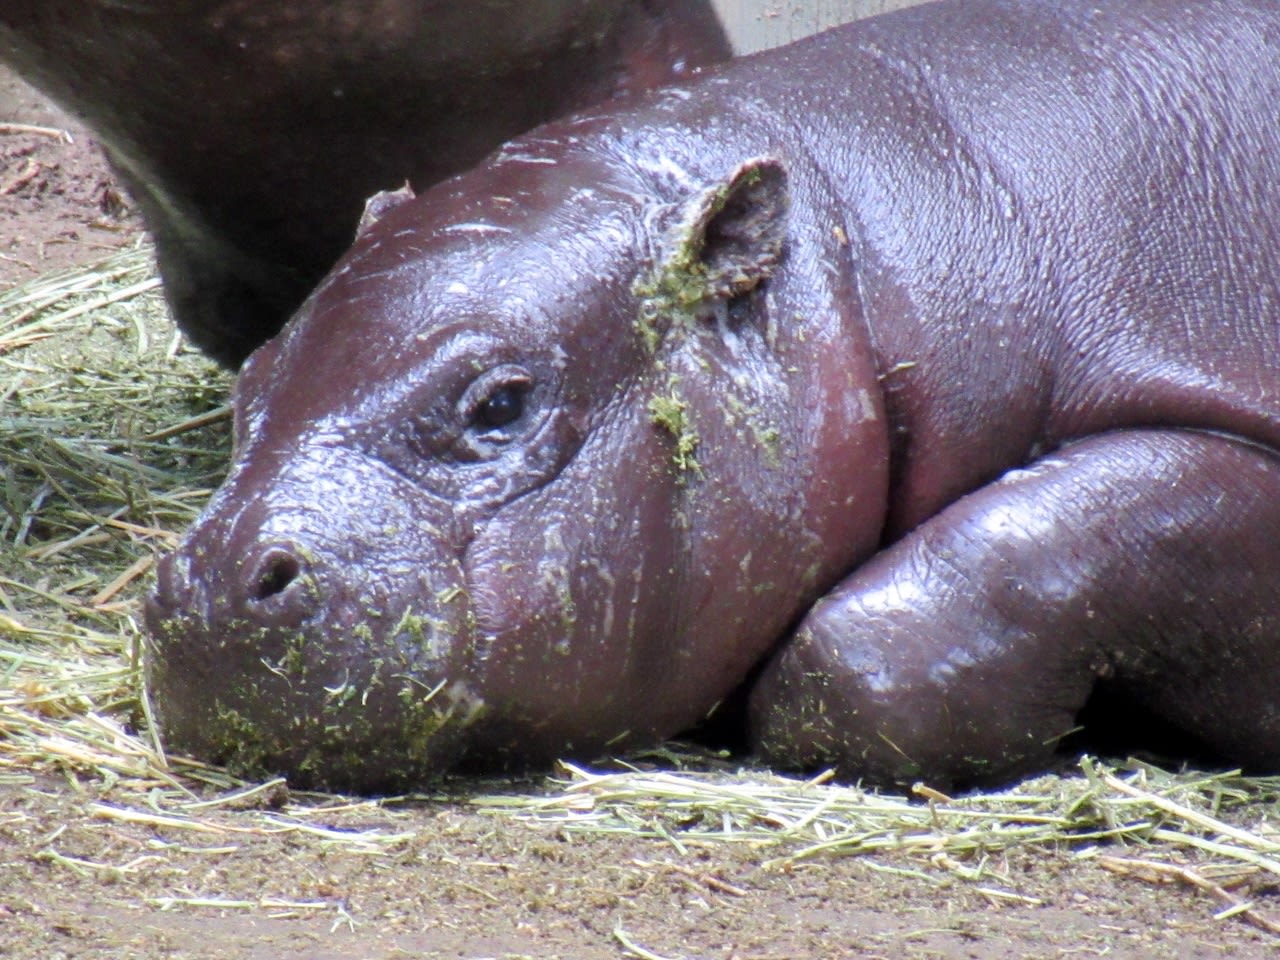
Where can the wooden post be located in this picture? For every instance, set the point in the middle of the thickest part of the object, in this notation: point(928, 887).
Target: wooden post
point(758, 24)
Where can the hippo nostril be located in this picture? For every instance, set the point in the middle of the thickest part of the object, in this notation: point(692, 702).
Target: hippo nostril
point(276, 572)
point(279, 587)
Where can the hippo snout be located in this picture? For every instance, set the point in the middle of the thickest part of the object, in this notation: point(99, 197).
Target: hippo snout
point(275, 590)
point(277, 646)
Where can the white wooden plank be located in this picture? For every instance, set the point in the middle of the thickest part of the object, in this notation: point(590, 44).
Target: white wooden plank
point(757, 24)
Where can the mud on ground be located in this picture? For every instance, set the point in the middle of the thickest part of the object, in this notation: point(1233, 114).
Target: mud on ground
point(89, 870)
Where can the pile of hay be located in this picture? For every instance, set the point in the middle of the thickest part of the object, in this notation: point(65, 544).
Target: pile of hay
point(112, 435)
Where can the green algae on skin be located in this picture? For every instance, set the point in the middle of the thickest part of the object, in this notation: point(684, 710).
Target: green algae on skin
point(672, 294)
point(294, 661)
point(568, 621)
point(330, 731)
point(765, 436)
point(241, 746)
point(430, 635)
point(425, 719)
point(415, 625)
point(670, 412)
point(341, 737)
point(699, 267)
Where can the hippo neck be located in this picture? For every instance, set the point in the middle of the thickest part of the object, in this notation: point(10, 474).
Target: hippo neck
point(945, 276)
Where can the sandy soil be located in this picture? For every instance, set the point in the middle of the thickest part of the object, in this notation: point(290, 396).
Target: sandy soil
point(447, 880)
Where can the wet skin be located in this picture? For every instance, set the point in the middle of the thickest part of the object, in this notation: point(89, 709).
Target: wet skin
point(927, 366)
point(250, 134)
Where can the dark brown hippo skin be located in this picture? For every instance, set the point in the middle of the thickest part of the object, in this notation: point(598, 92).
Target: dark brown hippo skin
point(928, 365)
point(250, 133)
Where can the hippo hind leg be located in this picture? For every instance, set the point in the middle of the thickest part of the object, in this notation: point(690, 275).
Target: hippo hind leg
point(1143, 561)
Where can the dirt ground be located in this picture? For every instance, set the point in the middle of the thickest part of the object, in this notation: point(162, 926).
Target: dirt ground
point(59, 204)
point(461, 884)
point(446, 878)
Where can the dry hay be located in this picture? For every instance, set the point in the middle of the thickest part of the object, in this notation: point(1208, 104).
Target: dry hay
point(112, 434)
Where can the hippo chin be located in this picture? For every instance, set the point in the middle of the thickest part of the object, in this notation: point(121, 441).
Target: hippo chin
point(250, 133)
point(923, 371)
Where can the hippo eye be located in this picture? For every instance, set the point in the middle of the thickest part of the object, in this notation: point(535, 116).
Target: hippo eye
point(500, 408)
point(496, 399)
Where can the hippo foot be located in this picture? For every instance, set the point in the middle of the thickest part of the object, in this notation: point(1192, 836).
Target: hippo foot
point(965, 652)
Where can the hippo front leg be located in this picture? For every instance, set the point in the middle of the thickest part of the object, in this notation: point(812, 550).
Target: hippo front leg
point(964, 652)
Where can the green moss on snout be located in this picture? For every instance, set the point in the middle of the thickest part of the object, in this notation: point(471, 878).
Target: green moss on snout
point(327, 706)
point(330, 736)
point(293, 663)
point(415, 626)
point(238, 742)
point(450, 594)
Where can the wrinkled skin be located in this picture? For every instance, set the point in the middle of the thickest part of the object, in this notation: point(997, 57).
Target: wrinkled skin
point(945, 394)
point(251, 133)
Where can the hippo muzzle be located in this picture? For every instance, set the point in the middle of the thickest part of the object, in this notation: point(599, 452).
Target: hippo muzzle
point(322, 628)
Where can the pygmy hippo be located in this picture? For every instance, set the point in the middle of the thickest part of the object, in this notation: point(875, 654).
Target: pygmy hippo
point(922, 374)
point(251, 133)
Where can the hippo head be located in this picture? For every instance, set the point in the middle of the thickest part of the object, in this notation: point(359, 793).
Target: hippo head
point(556, 454)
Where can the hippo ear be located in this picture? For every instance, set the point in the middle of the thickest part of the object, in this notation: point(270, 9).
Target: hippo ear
point(376, 207)
point(729, 236)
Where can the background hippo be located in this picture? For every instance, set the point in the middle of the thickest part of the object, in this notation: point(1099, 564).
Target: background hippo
point(251, 133)
point(929, 363)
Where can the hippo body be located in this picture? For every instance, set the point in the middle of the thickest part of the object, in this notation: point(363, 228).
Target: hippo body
point(922, 374)
point(250, 134)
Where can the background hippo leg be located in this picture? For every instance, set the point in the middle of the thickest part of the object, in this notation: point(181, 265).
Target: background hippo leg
point(1147, 560)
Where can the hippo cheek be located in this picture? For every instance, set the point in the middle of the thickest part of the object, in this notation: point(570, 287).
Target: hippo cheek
point(278, 645)
point(574, 594)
